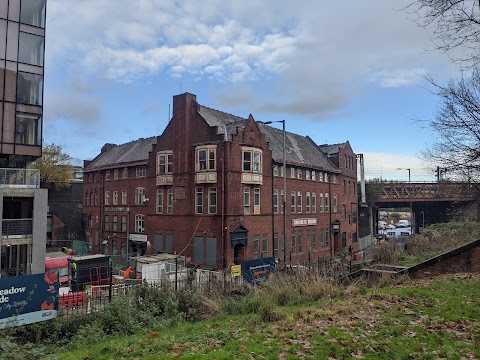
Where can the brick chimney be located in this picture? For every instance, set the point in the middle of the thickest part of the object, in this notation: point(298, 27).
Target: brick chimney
point(185, 109)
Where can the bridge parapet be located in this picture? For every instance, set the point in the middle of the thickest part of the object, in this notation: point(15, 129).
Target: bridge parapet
point(448, 191)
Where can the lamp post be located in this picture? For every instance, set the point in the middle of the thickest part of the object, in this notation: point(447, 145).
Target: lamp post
point(284, 194)
point(423, 219)
point(410, 197)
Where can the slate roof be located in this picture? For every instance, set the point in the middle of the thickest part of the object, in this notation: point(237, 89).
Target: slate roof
point(222, 120)
point(299, 150)
point(331, 149)
point(131, 153)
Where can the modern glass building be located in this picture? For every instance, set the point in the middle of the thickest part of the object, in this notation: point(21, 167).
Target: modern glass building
point(23, 205)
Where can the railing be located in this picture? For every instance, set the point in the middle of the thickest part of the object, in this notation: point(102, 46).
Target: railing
point(17, 228)
point(29, 178)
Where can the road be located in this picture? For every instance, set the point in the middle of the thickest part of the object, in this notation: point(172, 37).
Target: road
point(399, 235)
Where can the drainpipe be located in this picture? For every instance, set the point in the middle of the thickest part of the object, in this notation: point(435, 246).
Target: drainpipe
point(330, 214)
point(224, 227)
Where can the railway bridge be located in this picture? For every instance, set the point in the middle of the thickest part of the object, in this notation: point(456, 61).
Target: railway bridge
point(430, 202)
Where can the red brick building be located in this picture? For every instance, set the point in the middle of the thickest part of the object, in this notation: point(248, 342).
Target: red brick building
point(210, 188)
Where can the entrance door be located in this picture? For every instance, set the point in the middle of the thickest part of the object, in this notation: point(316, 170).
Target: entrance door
point(238, 254)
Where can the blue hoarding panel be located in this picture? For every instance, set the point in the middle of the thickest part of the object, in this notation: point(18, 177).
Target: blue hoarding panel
point(28, 299)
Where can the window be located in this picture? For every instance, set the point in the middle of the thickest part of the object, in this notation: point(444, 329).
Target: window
point(198, 200)
point(256, 246)
point(139, 196)
point(28, 129)
point(114, 247)
point(115, 174)
point(141, 171)
point(159, 201)
point(107, 197)
point(107, 174)
point(334, 178)
point(314, 240)
point(344, 212)
point(90, 221)
point(96, 197)
point(170, 201)
point(299, 202)
point(115, 222)
point(300, 241)
point(125, 173)
point(139, 223)
point(212, 200)
point(327, 204)
point(252, 161)
point(326, 177)
point(307, 202)
point(164, 163)
point(322, 238)
point(314, 203)
point(123, 248)
point(107, 223)
point(321, 202)
point(264, 245)
point(33, 13)
point(282, 199)
point(256, 201)
point(275, 201)
point(124, 223)
point(327, 238)
point(86, 198)
point(205, 159)
point(91, 198)
point(281, 170)
point(349, 187)
point(299, 173)
point(320, 176)
point(354, 238)
point(115, 198)
point(275, 245)
point(344, 187)
point(292, 172)
point(246, 200)
point(354, 217)
point(334, 202)
point(29, 88)
point(307, 174)
point(275, 170)
point(292, 201)
point(294, 244)
point(124, 197)
point(313, 175)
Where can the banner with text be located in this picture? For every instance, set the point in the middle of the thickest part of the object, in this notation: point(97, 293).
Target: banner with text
point(28, 299)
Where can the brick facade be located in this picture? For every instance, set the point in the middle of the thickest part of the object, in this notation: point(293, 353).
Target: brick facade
point(213, 233)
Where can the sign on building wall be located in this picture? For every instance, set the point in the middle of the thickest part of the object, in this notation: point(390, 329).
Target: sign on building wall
point(28, 299)
point(304, 222)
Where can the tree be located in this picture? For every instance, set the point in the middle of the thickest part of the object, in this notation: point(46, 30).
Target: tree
point(457, 126)
point(55, 167)
point(456, 25)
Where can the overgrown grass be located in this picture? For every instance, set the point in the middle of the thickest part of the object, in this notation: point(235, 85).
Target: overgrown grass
point(439, 238)
point(412, 319)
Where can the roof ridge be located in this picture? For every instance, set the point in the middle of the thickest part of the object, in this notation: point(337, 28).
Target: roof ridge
point(223, 112)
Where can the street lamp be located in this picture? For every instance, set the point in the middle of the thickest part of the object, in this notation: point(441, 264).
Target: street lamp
point(410, 197)
point(284, 194)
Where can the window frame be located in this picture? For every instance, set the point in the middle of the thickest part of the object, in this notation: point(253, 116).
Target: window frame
point(139, 223)
point(212, 195)
point(198, 200)
point(139, 195)
point(159, 204)
point(246, 200)
point(256, 200)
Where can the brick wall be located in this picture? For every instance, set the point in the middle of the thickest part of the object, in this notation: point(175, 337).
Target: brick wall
point(467, 261)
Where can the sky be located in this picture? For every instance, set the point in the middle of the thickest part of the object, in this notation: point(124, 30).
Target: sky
point(335, 71)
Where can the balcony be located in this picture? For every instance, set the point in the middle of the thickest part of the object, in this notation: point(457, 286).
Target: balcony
point(252, 178)
point(17, 229)
point(19, 178)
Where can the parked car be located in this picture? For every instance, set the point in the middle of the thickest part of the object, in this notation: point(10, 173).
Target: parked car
point(402, 224)
point(390, 226)
point(381, 236)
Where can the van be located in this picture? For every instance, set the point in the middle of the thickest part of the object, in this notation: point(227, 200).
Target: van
point(403, 223)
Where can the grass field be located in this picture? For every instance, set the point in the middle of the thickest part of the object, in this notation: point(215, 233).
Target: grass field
point(421, 319)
